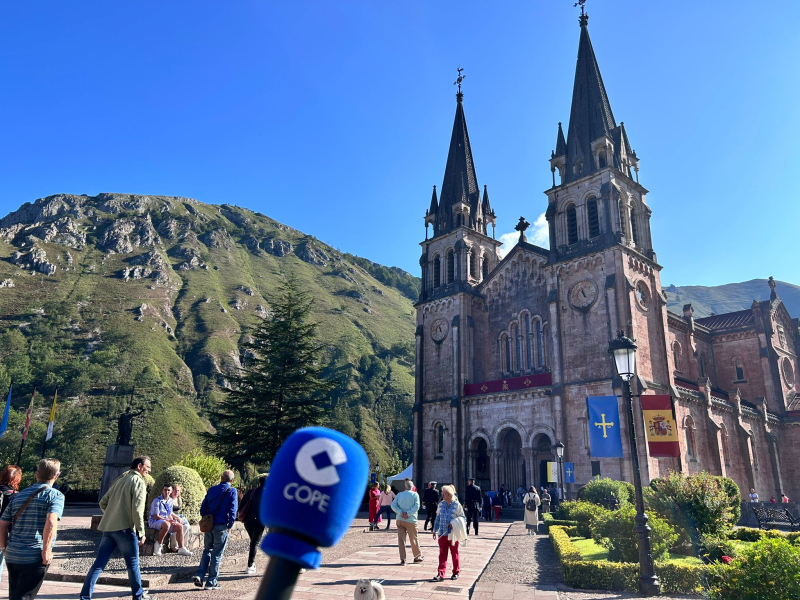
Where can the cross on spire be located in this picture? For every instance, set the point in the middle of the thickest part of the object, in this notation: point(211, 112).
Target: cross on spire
point(462, 77)
point(584, 18)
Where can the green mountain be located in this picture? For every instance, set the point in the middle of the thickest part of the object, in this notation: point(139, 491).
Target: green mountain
point(117, 298)
point(730, 297)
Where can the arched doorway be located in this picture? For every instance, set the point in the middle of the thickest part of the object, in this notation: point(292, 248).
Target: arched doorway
point(512, 466)
point(542, 446)
point(480, 463)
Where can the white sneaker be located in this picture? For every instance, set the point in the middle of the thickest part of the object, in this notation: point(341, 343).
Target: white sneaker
point(157, 549)
point(250, 570)
point(184, 552)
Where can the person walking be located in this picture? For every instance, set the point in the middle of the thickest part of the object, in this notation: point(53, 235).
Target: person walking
point(374, 498)
point(487, 507)
point(431, 500)
point(220, 502)
point(10, 477)
point(497, 505)
point(28, 531)
point(449, 509)
point(406, 505)
point(531, 502)
point(473, 502)
point(123, 527)
point(250, 515)
point(385, 502)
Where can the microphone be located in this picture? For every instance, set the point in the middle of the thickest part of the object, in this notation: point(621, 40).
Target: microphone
point(309, 501)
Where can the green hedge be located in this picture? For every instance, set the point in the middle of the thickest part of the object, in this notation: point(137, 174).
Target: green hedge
point(605, 575)
point(549, 520)
point(750, 534)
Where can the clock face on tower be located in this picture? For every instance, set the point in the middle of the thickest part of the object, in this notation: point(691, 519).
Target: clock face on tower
point(583, 294)
point(439, 330)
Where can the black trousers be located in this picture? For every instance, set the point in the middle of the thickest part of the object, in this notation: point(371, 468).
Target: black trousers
point(430, 511)
point(254, 530)
point(473, 516)
point(24, 581)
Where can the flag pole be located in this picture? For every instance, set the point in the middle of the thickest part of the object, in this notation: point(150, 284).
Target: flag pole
point(27, 426)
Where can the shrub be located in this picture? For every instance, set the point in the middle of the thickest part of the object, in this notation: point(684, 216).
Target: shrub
point(550, 520)
point(583, 513)
point(768, 570)
point(714, 547)
point(616, 531)
point(192, 490)
point(209, 467)
point(598, 491)
point(694, 505)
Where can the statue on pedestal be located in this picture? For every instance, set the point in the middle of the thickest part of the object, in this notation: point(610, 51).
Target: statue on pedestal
point(125, 426)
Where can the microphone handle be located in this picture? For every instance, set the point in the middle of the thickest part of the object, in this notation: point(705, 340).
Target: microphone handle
point(279, 579)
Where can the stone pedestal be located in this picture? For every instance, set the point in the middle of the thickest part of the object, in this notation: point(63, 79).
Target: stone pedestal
point(118, 460)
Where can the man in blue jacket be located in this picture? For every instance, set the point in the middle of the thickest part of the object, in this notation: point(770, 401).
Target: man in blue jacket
point(222, 502)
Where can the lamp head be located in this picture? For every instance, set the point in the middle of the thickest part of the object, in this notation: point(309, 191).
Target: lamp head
point(559, 447)
point(623, 349)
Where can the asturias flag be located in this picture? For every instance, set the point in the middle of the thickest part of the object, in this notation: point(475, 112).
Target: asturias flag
point(4, 423)
point(569, 472)
point(604, 427)
point(659, 422)
point(28, 417)
point(52, 419)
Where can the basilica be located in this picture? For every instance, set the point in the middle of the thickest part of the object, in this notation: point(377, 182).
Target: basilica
point(507, 351)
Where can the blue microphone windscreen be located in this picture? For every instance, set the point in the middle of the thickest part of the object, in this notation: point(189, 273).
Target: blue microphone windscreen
point(315, 485)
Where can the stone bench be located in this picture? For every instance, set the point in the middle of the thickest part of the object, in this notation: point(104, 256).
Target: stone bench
point(193, 538)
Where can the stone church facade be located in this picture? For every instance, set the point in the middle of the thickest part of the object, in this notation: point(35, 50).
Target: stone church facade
point(507, 351)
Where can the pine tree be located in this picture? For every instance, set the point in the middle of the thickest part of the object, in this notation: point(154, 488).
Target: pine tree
point(281, 387)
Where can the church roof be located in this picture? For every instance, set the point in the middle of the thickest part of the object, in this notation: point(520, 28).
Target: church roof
point(434, 203)
point(739, 318)
point(460, 181)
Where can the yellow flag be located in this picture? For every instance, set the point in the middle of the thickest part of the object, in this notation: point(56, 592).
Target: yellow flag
point(552, 472)
point(52, 419)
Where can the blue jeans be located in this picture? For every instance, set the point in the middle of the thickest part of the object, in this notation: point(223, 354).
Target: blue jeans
point(128, 545)
point(385, 510)
point(214, 544)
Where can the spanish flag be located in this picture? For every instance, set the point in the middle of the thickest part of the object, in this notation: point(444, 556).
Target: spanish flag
point(52, 419)
point(660, 425)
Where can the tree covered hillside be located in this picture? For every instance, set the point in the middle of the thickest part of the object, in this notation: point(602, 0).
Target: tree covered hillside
point(117, 296)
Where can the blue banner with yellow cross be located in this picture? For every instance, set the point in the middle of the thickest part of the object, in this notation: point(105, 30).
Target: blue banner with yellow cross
point(605, 440)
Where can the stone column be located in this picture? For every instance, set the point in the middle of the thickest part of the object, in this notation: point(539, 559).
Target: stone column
point(527, 455)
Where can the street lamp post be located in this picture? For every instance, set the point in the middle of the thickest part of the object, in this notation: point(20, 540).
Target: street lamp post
point(560, 455)
point(623, 350)
point(378, 473)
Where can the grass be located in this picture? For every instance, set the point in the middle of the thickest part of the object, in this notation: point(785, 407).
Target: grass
point(591, 550)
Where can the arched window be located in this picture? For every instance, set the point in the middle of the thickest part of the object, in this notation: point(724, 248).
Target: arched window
point(594, 218)
point(508, 355)
point(517, 347)
point(676, 355)
point(528, 346)
point(440, 440)
point(540, 343)
point(451, 266)
point(437, 271)
point(572, 224)
point(738, 367)
point(601, 159)
point(485, 266)
point(634, 228)
point(688, 426)
point(723, 434)
point(623, 229)
point(473, 264)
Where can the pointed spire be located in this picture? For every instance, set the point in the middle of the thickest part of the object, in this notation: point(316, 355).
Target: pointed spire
point(561, 143)
point(486, 207)
point(590, 117)
point(460, 181)
point(434, 203)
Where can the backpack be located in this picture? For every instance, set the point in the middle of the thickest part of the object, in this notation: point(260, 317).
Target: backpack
point(5, 499)
point(531, 504)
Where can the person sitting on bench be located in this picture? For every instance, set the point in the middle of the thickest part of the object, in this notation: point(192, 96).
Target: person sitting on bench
point(163, 520)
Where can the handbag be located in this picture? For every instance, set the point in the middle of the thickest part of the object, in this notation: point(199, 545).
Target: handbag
point(207, 521)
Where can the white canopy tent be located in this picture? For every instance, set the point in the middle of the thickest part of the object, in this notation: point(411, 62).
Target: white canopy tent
point(407, 472)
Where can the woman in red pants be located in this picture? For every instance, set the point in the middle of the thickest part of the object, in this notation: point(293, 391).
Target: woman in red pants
point(374, 506)
point(449, 509)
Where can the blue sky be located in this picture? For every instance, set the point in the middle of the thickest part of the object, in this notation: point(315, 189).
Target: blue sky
point(335, 117)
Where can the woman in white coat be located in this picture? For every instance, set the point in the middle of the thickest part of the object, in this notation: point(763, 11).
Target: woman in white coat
point(531, 503)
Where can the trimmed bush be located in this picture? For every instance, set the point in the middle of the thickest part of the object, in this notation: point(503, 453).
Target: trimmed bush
point(768, 570)
point(750, 534)
point(209, 467)
point(598, 491)
point(616, 531)
point(582, 513)
point(549, 520)
point(192, 490)
point(714, 547)
point(605, 575)
point(695, 505)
